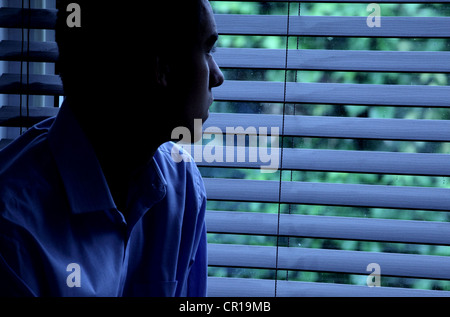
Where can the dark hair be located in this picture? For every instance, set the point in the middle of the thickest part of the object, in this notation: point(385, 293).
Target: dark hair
point(121, 40)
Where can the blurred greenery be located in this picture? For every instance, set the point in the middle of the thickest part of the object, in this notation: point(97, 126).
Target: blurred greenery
point(335, 43)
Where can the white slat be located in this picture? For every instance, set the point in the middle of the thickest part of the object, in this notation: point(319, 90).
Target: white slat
point(324, 260)
point(352, 195)
point(337, 60)
point(416, 27)
point(13, 116)
point(28, 18)
point(351, 1)
point(33, 85)
point(246, 287)
point(38, 51)
point(429, 164)
point(338, 127)
point(350, 94)
point(324, 227)
point(346, 94)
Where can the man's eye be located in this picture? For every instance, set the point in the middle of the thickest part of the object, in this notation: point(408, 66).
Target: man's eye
point(212, 50)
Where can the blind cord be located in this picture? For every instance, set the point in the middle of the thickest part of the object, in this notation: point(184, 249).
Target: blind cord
point(21, 62)
point(21, 88)
point(28, 58)
point(282, 147)
point(292, 139)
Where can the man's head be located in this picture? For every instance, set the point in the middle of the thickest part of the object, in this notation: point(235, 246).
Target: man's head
point(140, 64)
point(191, 73)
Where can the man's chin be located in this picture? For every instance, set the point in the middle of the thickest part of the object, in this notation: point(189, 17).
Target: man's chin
point(205, 117)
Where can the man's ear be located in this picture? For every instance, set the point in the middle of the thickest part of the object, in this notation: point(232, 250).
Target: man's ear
point(162, 71)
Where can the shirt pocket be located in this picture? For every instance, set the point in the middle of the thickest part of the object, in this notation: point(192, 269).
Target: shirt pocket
point(155, 289)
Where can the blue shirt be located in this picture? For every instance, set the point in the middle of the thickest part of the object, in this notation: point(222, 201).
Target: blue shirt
point(62, 235)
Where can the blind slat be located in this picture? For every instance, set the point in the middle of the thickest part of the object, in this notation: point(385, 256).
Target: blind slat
point(337, 60)
point(324, 260)
point(342, 94)
point(338, 127)
point(408, 27)
point(356, 94)
point(244, 287)
point(271, 25)
point(350, 1)
point(351, 195)
point(37, 84)
point(27, 18)
point(39, 51)
point(325, 227)
point(10, 116)
point(333, 127)
point(295, 159)
point(328, 160)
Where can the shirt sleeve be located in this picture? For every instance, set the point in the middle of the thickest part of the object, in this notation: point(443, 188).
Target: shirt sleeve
point(198, 276)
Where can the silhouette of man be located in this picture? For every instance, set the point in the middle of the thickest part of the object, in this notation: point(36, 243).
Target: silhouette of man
point(92, 203)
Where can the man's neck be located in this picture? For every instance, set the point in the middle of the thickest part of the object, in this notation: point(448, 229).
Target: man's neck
point(121, 147)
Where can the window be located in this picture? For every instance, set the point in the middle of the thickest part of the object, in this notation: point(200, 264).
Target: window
point(325, 155)
point(26, 55)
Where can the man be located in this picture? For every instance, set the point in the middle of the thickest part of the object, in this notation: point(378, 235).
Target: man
point(92, 203)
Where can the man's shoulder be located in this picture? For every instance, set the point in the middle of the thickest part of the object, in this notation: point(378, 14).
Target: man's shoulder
point(175, 154)
point(177, 165)
point(27, 152)
point(27, 171)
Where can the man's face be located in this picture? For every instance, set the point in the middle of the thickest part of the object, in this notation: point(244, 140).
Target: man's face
point(195, 76)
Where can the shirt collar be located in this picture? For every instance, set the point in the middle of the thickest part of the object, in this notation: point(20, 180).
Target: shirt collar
point(81, 173)
point(78, 166)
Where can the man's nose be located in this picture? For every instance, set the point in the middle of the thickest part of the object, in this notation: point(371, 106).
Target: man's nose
point(216, 76)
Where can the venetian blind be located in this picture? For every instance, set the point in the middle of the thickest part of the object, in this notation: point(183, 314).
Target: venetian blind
point(353, 114)
point(362, 186)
